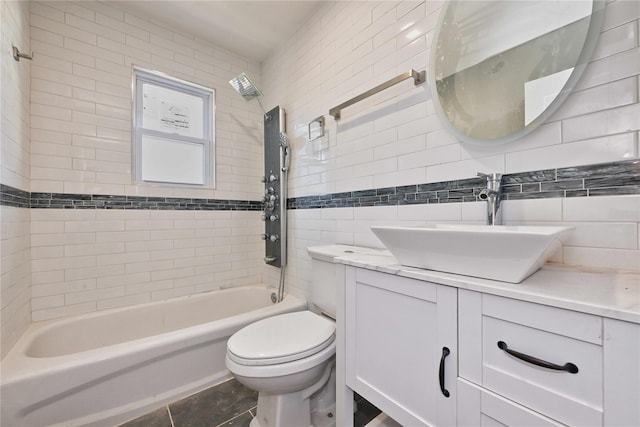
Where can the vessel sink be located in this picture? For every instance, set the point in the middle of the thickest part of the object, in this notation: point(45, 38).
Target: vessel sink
point(505, 253)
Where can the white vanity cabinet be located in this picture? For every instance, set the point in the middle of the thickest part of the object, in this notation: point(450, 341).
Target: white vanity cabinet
point(510, 362)
point(522, 361)
point(401, 346)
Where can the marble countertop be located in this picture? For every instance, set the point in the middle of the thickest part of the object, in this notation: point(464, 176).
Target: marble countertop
point(608, 294)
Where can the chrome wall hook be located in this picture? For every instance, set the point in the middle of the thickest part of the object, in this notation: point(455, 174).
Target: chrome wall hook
point(17, 54)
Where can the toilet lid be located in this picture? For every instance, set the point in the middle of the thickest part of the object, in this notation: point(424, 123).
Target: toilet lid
point(281, 338)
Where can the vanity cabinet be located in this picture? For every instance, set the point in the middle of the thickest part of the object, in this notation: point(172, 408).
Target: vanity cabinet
point(508, 362)
point(546, 363)
point(401, 346)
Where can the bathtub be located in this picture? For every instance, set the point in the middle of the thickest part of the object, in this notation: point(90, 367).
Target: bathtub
point(104, 368)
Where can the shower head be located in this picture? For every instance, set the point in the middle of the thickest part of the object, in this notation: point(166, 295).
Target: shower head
point(245, 87)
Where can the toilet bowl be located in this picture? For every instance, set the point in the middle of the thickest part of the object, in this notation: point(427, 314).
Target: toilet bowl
point(289, 360)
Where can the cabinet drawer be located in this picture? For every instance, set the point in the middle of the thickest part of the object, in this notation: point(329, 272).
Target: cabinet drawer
point(539, 335)
point(480, 407)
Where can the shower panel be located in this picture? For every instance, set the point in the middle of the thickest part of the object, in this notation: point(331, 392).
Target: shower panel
point(276, 169)
point(274, 199)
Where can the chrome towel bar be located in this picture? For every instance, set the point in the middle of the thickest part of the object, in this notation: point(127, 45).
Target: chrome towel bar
point(417, 76)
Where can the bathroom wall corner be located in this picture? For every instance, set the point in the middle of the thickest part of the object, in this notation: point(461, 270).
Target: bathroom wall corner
point(15, 251)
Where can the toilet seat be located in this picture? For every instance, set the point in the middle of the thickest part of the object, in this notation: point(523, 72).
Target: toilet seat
point(281, 369)
point(281, 339)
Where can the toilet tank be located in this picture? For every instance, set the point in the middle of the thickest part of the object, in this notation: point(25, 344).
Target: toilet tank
point(324, 284)
point(327, 275)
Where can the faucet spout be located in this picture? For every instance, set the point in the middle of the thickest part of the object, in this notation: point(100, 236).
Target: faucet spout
point(492, 195)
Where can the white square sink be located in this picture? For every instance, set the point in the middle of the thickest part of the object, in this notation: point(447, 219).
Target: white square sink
point(505, 253)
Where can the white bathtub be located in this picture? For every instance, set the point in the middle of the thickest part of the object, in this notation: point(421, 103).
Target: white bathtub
point(104, 368)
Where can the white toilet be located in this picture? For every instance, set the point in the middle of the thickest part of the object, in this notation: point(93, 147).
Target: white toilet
point(290, 359)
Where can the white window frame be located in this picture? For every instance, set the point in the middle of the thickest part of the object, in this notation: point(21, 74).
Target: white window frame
point(141, 76)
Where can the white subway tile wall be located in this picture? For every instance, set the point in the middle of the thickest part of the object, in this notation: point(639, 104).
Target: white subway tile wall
point(90, 259)
point(81, 100)
point(395, 138)
point(87, 260)
point(15, 276)
point(15, 96)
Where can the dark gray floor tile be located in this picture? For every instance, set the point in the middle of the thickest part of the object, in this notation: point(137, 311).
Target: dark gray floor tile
point(158, 418)
point(213, 406)
point(241, 421)
point(365, 413)
point(225, 405)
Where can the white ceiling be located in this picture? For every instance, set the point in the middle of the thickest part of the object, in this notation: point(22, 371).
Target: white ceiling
point(252, 29)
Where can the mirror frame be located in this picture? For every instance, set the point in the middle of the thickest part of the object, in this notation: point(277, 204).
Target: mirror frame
point(591, 40)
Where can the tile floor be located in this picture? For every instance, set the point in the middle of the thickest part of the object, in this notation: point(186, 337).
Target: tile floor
point(229, 404)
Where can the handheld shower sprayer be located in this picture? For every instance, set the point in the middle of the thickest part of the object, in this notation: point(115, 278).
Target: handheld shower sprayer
point(284, 146)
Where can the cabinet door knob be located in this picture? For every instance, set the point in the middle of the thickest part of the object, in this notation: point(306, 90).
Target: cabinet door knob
point(569, 367)
point(445, 353)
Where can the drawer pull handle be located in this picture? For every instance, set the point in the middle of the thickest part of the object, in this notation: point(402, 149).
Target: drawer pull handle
point(445, 353)
point(569, 367)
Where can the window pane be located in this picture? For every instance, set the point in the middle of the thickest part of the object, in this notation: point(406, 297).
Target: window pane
point(172, 161)
point(171, 111)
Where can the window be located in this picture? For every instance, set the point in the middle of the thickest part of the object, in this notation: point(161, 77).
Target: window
point(173, 131)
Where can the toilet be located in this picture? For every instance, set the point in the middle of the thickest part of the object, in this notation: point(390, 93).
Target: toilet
point(289, 359)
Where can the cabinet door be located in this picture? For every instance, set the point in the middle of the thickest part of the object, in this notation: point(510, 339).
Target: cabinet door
point(397, 330)
point(621, 373)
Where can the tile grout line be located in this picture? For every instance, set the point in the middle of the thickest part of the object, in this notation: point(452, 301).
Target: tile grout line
point(170, 417)
point(233, 418)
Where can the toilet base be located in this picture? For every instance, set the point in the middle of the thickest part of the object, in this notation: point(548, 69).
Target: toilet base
point(311, 407)
point(323, 404)
point(282, 410)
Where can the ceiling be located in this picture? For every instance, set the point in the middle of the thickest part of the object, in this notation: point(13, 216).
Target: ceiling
point(252, 29)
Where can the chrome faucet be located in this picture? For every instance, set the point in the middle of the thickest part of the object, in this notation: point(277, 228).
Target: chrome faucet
point(492, 195)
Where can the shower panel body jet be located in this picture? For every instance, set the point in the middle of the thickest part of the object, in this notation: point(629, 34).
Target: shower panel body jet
point(275, 197)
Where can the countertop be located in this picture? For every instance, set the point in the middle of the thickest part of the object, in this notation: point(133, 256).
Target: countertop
point(603, 293)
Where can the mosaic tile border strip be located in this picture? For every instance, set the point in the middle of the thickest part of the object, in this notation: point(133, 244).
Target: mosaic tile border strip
point(10, 196)
point(605, 179)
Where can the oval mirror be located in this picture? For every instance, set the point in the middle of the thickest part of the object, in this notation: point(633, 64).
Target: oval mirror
point(500, 68)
